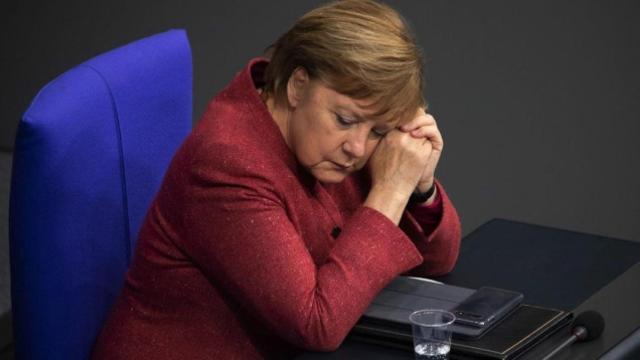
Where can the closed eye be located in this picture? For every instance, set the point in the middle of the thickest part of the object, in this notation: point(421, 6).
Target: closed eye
point(380, 132)
point(344, 121)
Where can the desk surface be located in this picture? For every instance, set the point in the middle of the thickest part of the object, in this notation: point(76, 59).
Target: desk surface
point(552, 267)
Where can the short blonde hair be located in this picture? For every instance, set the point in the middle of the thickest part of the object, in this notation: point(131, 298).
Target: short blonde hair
point(359, 48)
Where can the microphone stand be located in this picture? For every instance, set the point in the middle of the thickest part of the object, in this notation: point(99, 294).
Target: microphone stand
point(578, 333)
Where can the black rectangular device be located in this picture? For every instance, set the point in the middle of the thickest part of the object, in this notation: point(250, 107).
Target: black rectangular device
point(486, 305)
point(386, 321)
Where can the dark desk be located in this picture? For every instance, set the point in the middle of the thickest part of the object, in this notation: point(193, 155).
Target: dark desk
point(552, 267)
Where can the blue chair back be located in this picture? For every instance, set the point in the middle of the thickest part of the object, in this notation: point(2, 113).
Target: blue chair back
point(89, 156)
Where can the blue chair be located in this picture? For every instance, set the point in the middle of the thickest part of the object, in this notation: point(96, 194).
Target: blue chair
point(89, 156)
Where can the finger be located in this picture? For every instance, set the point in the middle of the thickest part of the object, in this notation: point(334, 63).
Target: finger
point(432, 134)
point(432, 163)
point(419, 121)
point(426, 131)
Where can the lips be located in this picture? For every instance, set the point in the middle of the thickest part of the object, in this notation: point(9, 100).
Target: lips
point(342, 166)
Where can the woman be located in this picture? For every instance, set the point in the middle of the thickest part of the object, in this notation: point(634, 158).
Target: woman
point(288, 207)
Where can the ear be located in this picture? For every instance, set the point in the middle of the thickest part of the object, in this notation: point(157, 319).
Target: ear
point(297, 86)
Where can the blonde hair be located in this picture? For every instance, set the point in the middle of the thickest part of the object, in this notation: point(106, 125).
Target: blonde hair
point(359, 48)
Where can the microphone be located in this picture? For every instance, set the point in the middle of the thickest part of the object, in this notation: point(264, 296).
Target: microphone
point(587, 326)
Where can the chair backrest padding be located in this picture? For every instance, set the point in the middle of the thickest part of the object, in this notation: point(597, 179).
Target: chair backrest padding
point(89, 156)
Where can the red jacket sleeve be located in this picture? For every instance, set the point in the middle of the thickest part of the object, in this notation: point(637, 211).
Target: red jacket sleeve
point(235, 227)
point(436, 233)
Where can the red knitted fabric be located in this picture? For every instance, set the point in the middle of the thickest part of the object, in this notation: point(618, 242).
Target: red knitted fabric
point(237, 257)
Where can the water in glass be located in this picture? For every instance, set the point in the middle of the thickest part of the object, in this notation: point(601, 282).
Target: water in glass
point(432, 351)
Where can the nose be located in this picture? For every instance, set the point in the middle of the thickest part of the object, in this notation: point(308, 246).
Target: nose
point(355, 144)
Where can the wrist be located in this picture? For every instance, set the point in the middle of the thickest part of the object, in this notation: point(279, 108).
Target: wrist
point(424, 186)
point(388, 201)
point(424, 195)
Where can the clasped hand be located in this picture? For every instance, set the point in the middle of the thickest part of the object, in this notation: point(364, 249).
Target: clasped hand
point(406, 157)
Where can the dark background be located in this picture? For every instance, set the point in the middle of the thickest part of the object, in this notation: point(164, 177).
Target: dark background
point(538, 101)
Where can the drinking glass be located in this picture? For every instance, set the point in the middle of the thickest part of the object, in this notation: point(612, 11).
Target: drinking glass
point(431, 333)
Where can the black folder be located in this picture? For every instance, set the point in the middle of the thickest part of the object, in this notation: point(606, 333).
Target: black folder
point(386, 321)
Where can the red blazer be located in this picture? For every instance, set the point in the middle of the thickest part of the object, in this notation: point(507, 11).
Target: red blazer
point(244, 255)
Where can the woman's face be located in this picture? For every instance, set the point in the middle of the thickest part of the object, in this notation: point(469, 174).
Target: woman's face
point(332, 135)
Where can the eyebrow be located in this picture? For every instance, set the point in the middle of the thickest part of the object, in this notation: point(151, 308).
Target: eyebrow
point(350, 111)
point(356, 114)
point(386, 125)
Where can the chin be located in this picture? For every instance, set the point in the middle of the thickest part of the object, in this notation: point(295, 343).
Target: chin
point(330, 177)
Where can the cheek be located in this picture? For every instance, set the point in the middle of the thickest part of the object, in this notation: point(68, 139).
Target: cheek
point(322, 138)
point(370, 148)
point(312, 141)
point(305, 147)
